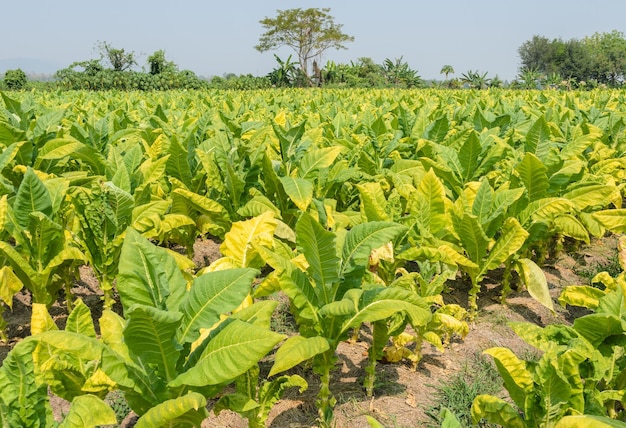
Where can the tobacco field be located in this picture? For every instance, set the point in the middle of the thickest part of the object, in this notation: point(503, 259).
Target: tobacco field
point(360, 210)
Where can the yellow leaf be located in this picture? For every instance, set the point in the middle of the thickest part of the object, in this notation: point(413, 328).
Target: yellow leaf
point(281, 119)
point(238, 241)
point(10, 285)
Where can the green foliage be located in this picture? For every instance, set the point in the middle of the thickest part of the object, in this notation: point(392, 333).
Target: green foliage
point(309, 32)
point(597, 59)
point(15, 79)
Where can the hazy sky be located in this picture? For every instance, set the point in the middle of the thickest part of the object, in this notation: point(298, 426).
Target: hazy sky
point(218, 37)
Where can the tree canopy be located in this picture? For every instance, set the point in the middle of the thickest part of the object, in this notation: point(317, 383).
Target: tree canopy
point(600, 57)
point(309, 32)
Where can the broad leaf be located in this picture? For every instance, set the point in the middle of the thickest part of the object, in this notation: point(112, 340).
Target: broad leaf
point(187, 410)
point(517, 379)
point(532, 172)
point(239, 243)
point(142, 278)
point(535, 282)
point(150, 335)
point(511, 239)
point(363, 238)
point(32, 196)
point(88, 411)
point(318, 247)
point(496, 411)
point(232, 352)
point(295, 350)
point(213, 294)
point(299, 190)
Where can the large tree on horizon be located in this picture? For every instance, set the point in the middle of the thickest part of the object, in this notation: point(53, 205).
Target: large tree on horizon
point(309, 32)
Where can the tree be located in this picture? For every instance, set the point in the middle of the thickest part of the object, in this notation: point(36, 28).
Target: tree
point(158, 63)
point(608, 52)
point(399, 73)
point(285, 74)
point(475, 80)
point(309, 32)
point(119, 59)
point(15, 79)
point(529, 78)
point(447, 69)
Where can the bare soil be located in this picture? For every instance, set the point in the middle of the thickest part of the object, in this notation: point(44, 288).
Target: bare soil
point(402, 395)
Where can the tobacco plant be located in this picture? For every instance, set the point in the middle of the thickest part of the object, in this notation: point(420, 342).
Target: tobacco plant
point(172, 349)
point(330, 298)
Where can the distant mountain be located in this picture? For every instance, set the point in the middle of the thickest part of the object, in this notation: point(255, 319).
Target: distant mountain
point(35, 66)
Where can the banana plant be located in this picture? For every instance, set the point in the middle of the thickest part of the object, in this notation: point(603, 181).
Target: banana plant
point(39, 246)
point(330, 298)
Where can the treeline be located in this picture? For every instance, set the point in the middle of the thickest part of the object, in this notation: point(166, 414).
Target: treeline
point(595, 61)
point(592, 61)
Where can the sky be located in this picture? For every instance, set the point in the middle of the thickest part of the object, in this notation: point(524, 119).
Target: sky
point(215, 38)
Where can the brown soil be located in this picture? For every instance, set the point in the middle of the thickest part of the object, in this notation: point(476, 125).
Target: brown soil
point(402, 395)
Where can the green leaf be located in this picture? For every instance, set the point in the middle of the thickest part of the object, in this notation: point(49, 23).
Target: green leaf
point(80, 321)
point(578, 421)
point(517, 379)
point(363, 238)
point(537, 138)
point(497, 411)
point(212, 294)
point(613, 220)
point(533, 174)
point(23, 400)
point(317, 159)
point(273, 391)
point(142, 279)
point(295, 350)
point(299, 190)
point(449, 420)
point(232, 352)
point(373, 423)
point(483, 202)
point(511, 239)
point(32, 196)
point(319, 249)
point(10, 285)
point(260, 313)
point(428, 205)
point(88, 411)
point(468, 155)
point(598, 327)
point(535, 281)
point(188, 410)
point(387, 302)
point(473, 237)
point(150, 336)
point(581, 295)
point(373, 202)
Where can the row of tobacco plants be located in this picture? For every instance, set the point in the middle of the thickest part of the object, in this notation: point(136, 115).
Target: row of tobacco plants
point(359, 206)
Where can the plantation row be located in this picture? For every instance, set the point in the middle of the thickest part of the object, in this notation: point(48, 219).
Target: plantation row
point(359, 206)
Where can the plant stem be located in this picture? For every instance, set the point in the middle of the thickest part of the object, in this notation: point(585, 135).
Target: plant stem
point(506, 283)
point(325, 400)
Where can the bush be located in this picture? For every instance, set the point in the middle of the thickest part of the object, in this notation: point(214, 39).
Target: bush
point(15, 79)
